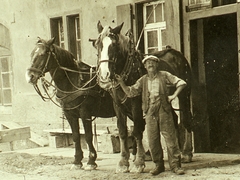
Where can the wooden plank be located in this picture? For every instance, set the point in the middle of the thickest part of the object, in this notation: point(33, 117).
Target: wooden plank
point(9, 125)
point(186, 33)
point(69, 131)
point(216, 11)
point(9, 135)
point(200, 43)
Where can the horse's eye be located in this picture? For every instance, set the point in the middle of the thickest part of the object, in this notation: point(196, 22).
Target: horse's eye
point(112, 36)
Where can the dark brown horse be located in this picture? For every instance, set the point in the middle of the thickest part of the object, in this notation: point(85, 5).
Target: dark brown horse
point(76, 90)
point(113, 54)
point(117, 55)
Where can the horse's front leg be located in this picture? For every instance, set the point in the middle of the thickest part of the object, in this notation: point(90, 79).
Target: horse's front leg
point(91, 164)
point(123, 164)
point(74, 124)
point(139, 126)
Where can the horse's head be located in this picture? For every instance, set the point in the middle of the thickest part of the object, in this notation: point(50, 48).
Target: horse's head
point(112, 52)
point(40, 60)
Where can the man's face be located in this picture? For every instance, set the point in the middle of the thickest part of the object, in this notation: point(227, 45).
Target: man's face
point(151, 65)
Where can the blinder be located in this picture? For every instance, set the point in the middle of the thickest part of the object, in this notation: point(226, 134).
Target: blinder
point(43, 71)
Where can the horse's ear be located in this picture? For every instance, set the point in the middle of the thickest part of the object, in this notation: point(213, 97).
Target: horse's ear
point(99, 27)
point(39, 40)
point(51, 41)
point(93, 42)
point(117, 29)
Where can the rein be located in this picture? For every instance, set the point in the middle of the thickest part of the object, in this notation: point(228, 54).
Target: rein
point(127, 69)
point(45, 85)
point(45, 67)
point(71, 95)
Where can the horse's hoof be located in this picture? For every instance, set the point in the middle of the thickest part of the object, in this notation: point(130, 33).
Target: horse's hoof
point(90, 167)
point(76, 166)
point(122, 169)
point(137, 169)
point(134, 158)
point(186, 158)
point(148, 157)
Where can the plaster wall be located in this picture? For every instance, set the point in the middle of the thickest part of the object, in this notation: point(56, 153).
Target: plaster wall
point(26, 20)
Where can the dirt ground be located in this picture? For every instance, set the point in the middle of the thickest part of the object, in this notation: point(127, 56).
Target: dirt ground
point(28, 166)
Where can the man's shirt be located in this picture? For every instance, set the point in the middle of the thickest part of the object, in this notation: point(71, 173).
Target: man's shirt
point(153, 89)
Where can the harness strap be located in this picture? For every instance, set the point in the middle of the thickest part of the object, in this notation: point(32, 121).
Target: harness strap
point(129, 63)
point(73, 96)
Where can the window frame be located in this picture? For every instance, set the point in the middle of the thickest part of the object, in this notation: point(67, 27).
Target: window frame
point(155, 26)
point(74, 40)
point(2, 88)
point(55, 26)
point(71, 40)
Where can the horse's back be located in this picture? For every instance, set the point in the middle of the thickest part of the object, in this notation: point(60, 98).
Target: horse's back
point(174, 62)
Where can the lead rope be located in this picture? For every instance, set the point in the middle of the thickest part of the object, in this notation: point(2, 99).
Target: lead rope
point(63, 118)
point(95, 134)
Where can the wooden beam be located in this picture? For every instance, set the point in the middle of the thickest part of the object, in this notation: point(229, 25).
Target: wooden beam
point(238, 36)
point(216, 11)
point(9, 135)
point(200, 43)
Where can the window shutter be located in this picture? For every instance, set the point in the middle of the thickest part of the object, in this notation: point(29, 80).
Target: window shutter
point(172, 17)
point(124, 14)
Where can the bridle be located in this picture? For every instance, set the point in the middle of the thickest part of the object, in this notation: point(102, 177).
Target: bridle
point(114, 58)
point(83, 90)
point(41, 75)
point(42, 72)
point(128, 67)
point(130, 58)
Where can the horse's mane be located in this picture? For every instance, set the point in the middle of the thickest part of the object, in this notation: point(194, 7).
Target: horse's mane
point(65, 57)
point(123, 43)
point(123, 40)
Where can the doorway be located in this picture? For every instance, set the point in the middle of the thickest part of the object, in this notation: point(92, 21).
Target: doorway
point(221, 82)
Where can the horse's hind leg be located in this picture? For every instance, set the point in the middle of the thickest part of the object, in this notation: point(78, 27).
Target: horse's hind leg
point(187, 148)
point(91, 164)
point(74, 124)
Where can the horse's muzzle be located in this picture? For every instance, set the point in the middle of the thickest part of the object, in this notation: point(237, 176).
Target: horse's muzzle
point(31, 77)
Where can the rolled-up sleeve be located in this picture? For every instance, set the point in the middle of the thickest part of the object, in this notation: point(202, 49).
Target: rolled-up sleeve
point(135, 89)
point(175, 80)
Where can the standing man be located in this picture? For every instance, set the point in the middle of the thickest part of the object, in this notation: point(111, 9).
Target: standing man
point(157, 108)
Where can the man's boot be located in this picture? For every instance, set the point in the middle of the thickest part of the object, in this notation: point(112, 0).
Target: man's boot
point(159, 168)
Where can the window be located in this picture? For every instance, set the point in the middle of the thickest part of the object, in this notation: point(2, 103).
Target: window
point(155, 26)
point(57, 31)
point(194, 5)
point(74, 36)
point(194, 2)
point(72, 41)
point(5, 81)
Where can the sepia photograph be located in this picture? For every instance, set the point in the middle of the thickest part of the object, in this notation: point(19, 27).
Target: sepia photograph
point(115, 90)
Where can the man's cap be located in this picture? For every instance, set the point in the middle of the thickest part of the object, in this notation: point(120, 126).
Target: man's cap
point(150, 57)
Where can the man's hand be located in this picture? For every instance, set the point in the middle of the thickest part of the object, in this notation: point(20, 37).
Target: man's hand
point(118, 78)
point(170, 98)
